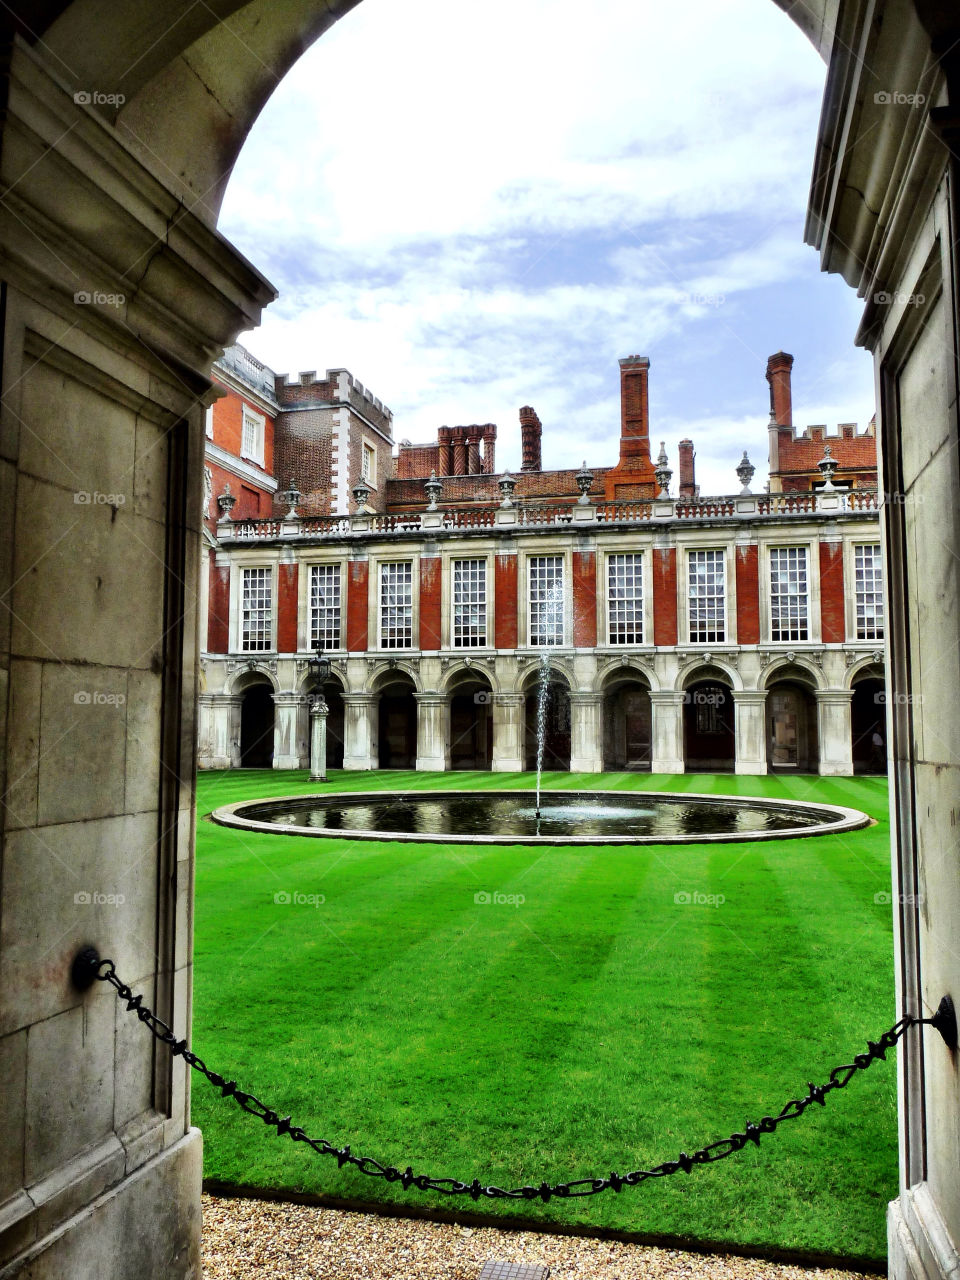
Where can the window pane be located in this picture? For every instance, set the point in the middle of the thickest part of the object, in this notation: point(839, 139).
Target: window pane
point(706, 597)
point(788, 594)
point(325, 606)
point(469, 603)
point(396, 605)
point(625, 598)
point(255, 610)
point(868, 568)
point(546, 599)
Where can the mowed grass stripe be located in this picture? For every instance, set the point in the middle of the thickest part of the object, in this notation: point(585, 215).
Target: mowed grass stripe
point(480, 1057)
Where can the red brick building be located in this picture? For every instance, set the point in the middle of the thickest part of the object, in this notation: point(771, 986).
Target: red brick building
point(743, 631)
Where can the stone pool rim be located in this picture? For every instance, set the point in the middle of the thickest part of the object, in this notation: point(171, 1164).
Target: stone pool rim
point(843, 819)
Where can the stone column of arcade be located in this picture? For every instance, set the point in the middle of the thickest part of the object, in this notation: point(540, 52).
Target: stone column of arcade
point(286, 754)
point(116, 298)
point(217, 713)
point(667, 731)
point(750, 730)
point(359, 731)
point(586, 733)
point(508, 716)
point(433, 731)
point(834, 731)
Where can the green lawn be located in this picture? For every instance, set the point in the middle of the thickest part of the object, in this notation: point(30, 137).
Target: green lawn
point(599, 1025)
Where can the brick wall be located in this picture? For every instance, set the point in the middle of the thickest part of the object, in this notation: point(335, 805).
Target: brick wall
point(430, 587)
point(798, 456)
point(228, 425)
point(304, 452)
point(747, 562)
point(534, 486)
point(584, 599)
point(664, 595)
point(832, 627)
point(251, 501)
point(287, 602)
point(505, 602)
point(358, 577)
point(218, 608)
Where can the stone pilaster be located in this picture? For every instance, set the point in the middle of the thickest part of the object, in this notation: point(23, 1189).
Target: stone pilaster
point(359, 731)
point(508, 713)
point(586, 732)
point(286, 716)
point(433, 731)
point(750, 730)
point(834, 731)
point(667, 731)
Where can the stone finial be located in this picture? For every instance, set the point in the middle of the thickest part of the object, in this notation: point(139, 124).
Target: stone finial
point(226, 502)
point(663, 472)
point(361, 492)
point(433, 488)
point(828, 466)
point(292, 498)
point(745, 473)
point(584, 480)
point(506, 485)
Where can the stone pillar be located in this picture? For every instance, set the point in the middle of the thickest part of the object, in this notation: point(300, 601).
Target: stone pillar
point(360, 730)
point(116, 298)
point(586, 732)
point(433, 731)
point(286, 714)
point(834, 731)
point(217, 712)
point(750, 732)
point(508, 712)
point(667, 732)
point(318, 738)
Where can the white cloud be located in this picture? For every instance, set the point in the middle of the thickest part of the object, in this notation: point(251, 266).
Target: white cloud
point(474, 209)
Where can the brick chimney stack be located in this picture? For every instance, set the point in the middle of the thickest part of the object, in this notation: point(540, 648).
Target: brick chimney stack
point(634, 409)
point(781, 401)
point(531, 432)
point(688, 484)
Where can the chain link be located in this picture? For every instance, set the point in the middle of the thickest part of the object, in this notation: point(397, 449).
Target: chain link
point(840, 1077)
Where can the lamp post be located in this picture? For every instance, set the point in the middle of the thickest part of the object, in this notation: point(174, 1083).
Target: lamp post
point(319, 670)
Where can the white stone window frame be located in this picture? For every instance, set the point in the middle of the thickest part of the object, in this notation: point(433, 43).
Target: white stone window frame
point(769, 551)
point(466, 557)
point(684, 630)
point(237, 578)
point(368, 449)
point(850, 577)
point(605, 614)
point(376, 577)
point(208, 422)
point(256, 424)
point(530, 557)
point(306, 612)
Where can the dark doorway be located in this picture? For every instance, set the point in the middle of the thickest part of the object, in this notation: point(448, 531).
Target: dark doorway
point(556, 751)
point(709, 744)
point(868, 725)
point(397, 726)
point(627, 726)
point(471, 726)
point(792, 742)
point(256, 727)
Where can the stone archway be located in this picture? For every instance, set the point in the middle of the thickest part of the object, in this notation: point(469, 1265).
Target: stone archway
point(868, 724)
point(709, 736)
point(140, 201)
point(471, 721)
point(397, 723)
point(332, 690)
point(627, 719)
point(791, 719)
point(556, 752)
point(256, 726)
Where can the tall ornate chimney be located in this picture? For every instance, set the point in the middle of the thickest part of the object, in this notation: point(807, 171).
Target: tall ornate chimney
point(531, 432)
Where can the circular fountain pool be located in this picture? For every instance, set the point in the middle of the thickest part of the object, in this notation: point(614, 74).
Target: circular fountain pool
point(565, 817)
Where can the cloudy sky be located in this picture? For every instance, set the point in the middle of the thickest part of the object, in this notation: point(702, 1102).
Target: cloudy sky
point(474, 207)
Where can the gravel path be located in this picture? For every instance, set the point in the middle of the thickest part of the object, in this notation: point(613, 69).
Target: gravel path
point(246, 1238)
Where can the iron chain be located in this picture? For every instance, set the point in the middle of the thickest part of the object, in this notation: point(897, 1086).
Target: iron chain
point(840, 1077)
